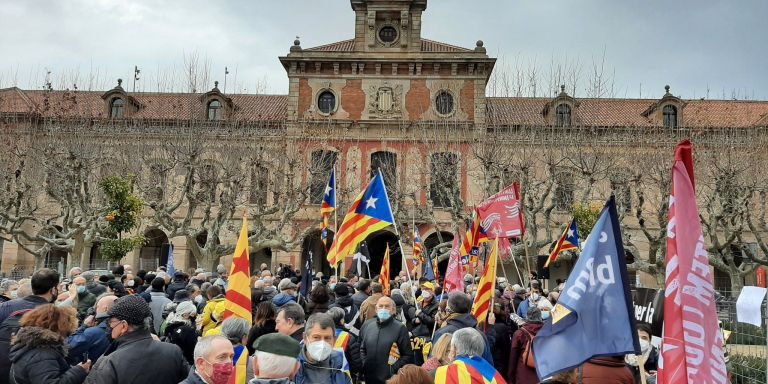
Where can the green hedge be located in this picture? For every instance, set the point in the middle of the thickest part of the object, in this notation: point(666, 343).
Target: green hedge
point(745, 334)
point(747, 369)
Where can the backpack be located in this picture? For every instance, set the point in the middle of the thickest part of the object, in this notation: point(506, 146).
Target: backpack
point(8, 328)
point(528, 357)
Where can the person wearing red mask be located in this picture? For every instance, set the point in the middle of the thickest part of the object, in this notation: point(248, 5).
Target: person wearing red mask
point(213, 361)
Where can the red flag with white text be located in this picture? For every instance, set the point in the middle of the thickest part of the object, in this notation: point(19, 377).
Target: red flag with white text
point(454, 280)
point(502, 215)
point(692, 346)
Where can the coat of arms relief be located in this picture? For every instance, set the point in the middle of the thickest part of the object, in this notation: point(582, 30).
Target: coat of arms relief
point(385, 101)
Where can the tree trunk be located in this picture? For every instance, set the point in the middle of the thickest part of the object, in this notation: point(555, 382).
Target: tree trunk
point(736, 283)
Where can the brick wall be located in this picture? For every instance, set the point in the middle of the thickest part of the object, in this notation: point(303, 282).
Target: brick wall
point(417, 101)
point(468, 100)
point(305, 96)
point(353, 99)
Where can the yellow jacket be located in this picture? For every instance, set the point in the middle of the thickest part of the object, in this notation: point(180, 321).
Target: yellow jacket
point(210, 315)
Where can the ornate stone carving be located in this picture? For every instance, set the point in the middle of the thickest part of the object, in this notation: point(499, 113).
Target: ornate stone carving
point(385, 101)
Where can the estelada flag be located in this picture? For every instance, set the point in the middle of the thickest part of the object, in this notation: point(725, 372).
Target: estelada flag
point(692, 346)
point(384, 275)
point(487, 287)
point(501, 214)
point(327, 207)
point(594, 315)
point(369, 213)
point(238, 299)
point(568, 241)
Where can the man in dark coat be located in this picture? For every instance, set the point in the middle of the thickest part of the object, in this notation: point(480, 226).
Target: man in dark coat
point(424, 317)
point(344, 301)
point(459, 307)
point(384, 344)
point(126, 361)
point(363, 291)
point(210, 350)
point(179, 283)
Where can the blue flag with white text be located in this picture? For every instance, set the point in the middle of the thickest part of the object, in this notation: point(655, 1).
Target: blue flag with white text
point(594, 315)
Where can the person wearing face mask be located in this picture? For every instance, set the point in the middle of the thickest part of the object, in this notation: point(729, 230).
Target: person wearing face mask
point(235, 329)
point(532, 301)
point(180, 329)
point(9, 290)
point(80, 298)
point(135, 356)
point(92, 339)
point(213, 361)
point(519, 372)
point(385, 346)
point(424, 318)
point(320, 362)
point(649, 352)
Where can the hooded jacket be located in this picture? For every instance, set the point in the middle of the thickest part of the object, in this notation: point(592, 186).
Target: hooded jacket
point(283, 299)
point(136, 357)
point(348, 305)
point(208, 322)
point(519, 372)
point(38, 355)
point(376, 340)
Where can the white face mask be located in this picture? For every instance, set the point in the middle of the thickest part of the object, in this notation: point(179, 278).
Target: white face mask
point(198, 299)
point(319, 350)
point(534, 297)
point(14, 294)
point(645, 346)
point(426, 295)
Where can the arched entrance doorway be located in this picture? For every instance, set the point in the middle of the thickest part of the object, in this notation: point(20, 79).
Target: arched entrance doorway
point(313, 243)
point(431, 242)
point(155, 252)
point(377, 246)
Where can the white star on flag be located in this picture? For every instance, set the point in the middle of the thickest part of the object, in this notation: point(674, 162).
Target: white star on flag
point(328, 189)
point(371, 202)
point(570, 233)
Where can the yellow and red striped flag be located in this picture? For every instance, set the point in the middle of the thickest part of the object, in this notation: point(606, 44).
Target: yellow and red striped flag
point(487, 287)
point(384, 275)
point(238, 301)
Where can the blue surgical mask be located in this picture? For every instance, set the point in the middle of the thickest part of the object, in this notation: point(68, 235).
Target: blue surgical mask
point(544, 315)
point(333, 286)
point(383, 314)
point(80, 289)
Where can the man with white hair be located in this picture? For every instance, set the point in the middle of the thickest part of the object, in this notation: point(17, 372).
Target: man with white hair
point(275, 359)
point(213, 361)
point(467, 345)
point(74, 272)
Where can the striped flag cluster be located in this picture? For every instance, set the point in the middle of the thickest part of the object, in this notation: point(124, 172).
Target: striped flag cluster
point(487, 287)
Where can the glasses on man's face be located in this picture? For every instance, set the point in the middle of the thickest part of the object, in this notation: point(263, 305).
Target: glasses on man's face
point(112, 323)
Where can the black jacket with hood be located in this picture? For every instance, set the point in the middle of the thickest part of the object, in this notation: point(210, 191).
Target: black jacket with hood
point(38, 355)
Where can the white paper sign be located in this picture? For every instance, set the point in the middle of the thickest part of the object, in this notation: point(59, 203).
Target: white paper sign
point(749, 304)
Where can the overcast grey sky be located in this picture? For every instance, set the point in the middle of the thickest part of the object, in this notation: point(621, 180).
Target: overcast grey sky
point(692, 45)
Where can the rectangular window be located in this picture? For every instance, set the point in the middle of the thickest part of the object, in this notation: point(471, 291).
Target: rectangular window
point(444, 185)
point(319, 172)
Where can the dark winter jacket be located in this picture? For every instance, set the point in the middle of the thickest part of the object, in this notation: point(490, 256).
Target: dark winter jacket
point(606, 370)
point(313, 307)
point(175, 285)
point(358, 298)
point(4, 298)
point(376, 340)
point(85, 302)
point(348, 305)
point(257, 331)
point(90, 342)
point(268, 293)
point(184, 336)
point(38, 355)
point(330, 371)
point(95, 288)
point(351, 351)
point(501, 346)
point(426, 318)
point(194, 378)
point(283, 299)
point(137, 358)
point(651, 364)
point(29, 302)
point(519, 372)
point(458, 321)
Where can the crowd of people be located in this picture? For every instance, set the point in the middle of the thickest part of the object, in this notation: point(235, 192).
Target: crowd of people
point(151, 326)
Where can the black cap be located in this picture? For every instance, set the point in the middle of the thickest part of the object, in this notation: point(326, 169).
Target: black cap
point(180, 295)
point(341, 289)
point(132, 309)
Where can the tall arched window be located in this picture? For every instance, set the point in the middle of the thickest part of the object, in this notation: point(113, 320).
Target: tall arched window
point(387, 163)
point(670, 116)
point(563, 115)
point(319, 173)
point(214, 110)
point(116, 108)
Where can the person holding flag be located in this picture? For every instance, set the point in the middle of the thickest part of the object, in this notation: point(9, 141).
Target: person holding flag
point(568, 241)
point(594, 315)
point(370, 212)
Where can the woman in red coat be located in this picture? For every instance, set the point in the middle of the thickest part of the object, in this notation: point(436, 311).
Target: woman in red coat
point(519, 372)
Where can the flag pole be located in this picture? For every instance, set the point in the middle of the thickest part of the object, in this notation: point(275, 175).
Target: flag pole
point(336, 217)
point(525, 233)
point(397, 233)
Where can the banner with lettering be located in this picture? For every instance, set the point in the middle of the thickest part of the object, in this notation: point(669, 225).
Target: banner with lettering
point(649, 308)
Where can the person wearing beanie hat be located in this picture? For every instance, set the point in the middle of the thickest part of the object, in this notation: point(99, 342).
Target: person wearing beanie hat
point(129, 324)
point(275, 360)
point(344, 301)
point(180, 329)
point(519, 371)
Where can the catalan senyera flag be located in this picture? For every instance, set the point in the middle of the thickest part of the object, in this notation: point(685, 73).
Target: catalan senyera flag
point(468, 370)
point(327, 207)
point(238, 300)
point(240, 361)
point(418, 246)
point(370, 212)
point(568, 241)
point(476, 235)
point(487, 286)
point(384, 275)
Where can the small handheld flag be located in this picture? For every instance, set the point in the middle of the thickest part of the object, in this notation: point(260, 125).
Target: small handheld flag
point(327, 207)
point(487, 287)
point(568, 241)
point(594, 315)
point(418, 246)
point(384, 275)
point(429, 271)
point(238, 299)
point(454, 280)
point(369, 213)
